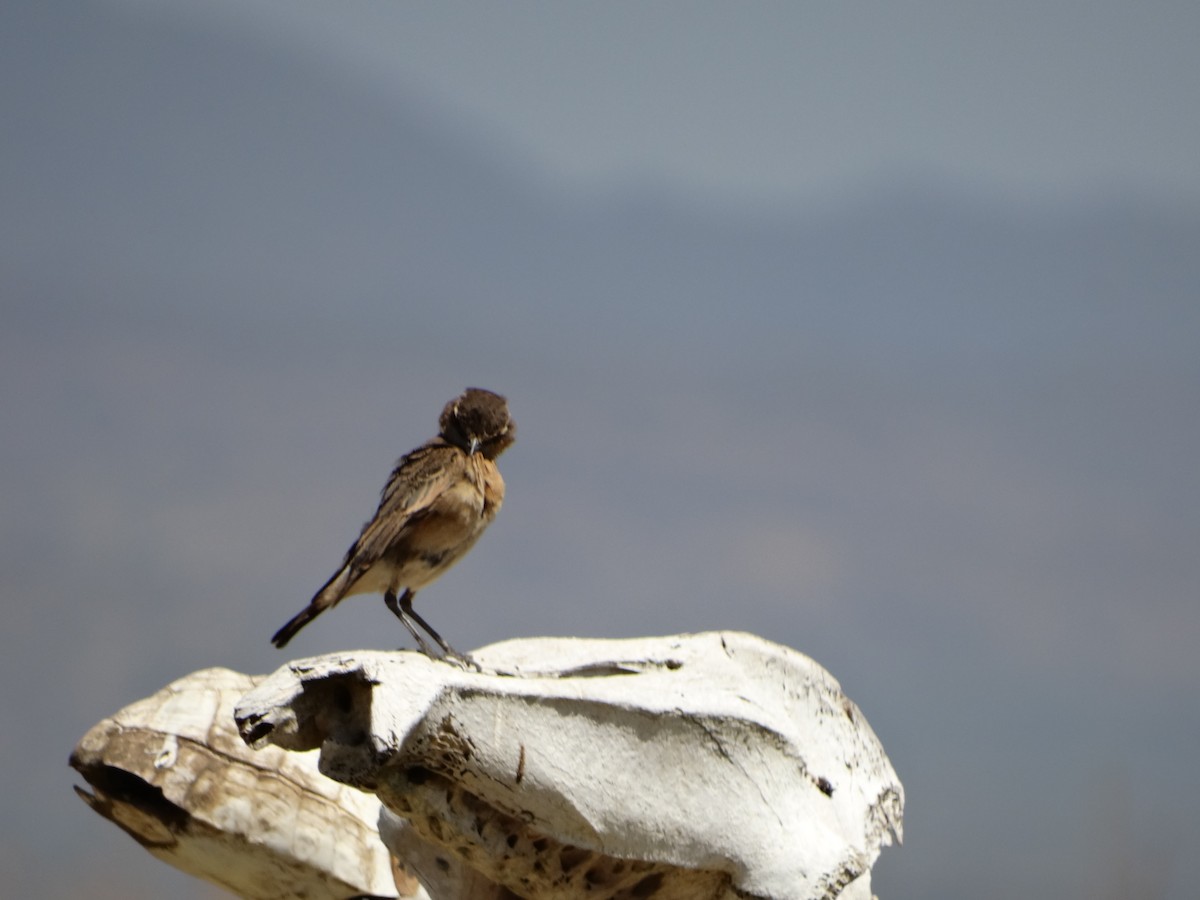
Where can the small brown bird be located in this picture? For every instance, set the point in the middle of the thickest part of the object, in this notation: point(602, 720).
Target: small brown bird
point(437, 502)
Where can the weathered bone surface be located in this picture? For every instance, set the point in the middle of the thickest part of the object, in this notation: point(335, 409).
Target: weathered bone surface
point(172, 771)
point(712, 765)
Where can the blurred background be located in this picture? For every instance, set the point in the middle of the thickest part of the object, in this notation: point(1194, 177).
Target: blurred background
point(870, 328)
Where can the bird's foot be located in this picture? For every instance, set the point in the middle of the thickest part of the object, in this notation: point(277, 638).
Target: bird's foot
point(463, 660)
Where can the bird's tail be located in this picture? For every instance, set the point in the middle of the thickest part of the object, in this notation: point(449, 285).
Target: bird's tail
point(328, 596)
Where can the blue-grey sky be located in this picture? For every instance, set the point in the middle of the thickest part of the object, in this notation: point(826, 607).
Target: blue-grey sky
point(763, 99)
point(872, 329)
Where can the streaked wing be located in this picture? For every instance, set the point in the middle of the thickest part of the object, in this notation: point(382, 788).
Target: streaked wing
point(415, 484)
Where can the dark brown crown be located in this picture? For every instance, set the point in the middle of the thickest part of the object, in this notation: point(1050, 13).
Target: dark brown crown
point(478, 420)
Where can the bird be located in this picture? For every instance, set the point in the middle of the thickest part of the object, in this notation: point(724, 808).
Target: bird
point(437, 502)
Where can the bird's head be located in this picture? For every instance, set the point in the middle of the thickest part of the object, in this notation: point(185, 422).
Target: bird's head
point(478, 422)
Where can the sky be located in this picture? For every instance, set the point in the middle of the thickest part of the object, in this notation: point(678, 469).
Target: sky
point(869, 328)
point(769, 99)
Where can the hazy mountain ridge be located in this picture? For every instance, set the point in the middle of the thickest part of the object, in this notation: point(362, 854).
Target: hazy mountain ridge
point(241, 180)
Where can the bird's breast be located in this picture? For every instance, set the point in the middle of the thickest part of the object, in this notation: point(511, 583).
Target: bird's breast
point(490, 485)
point(448, 529)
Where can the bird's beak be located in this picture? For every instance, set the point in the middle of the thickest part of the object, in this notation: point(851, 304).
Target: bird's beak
point(474, 446)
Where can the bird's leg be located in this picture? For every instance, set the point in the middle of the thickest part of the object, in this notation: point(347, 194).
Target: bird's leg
point(405, 605)
point(406, 600)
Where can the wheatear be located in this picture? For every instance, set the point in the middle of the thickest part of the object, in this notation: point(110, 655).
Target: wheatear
point(436, 504)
